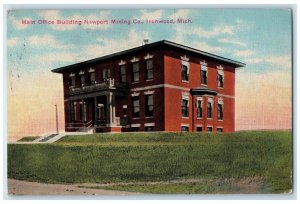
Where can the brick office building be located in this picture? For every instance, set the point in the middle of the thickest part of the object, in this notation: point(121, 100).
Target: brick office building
point(162, 86)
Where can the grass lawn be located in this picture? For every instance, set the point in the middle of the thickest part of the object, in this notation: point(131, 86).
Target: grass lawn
point(160, 157)
point(28, 139)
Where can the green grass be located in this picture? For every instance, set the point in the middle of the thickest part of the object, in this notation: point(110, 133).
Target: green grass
point(157, 157)
point(28, 139)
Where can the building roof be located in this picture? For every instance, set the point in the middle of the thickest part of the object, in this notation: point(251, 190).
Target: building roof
point(162, 43)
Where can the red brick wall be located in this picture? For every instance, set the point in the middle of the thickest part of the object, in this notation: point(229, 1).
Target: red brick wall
point(173, 96)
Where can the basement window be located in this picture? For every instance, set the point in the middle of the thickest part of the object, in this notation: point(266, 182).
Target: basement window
point(219, 129)
point(209, 129)
point(184, 128)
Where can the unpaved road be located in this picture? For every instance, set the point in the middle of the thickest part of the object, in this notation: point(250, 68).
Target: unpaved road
point(17, 187)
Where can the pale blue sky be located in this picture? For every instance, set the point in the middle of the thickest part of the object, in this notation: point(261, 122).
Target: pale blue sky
point(240, 34)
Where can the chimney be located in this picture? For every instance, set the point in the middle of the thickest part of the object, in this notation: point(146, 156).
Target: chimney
point(146, 41)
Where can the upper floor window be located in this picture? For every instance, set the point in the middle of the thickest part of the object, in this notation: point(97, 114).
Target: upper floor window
point(149, 69)
point(204, 74)
point(220, 109)
point(135, 72)
point(199, 107)
point(82, 79)
point(184, 72)
point(185, 106)
point(122, 73)
point(149, 105)
point(220, 77)
point(92, 77)
point(105, 74)
point(72, 80)
point(209, 107)
point(135, 107)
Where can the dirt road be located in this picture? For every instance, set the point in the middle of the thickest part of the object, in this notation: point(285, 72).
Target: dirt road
point(17, 187)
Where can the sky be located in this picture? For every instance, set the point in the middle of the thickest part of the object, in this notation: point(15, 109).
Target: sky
point(261, 38)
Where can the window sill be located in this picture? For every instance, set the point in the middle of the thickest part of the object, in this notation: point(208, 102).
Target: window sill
point(149, 117)
point(149, 79)
point(199, 118)
point(209, 118)
point(185, 81)
point(134, 82)
point(220, 87)
point(203, 84)
point(220, 120)
point(185, 117)
point(135, 118)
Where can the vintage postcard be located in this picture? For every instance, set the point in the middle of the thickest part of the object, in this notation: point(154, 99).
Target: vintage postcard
point(149, 101)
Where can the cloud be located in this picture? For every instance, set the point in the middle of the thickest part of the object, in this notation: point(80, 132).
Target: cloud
point(54, 15)
point(45, 40)
point(146, 14)
point(243, 53)
point(58, 57)
point(205, 47)
point(232, 41)
point(284, 61)
point(253, 60)
point(17, 23)
point(111, 45)
point(12, 42)
point(180, 13)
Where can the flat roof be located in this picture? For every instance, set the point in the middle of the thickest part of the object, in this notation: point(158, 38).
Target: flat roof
point(162, 43)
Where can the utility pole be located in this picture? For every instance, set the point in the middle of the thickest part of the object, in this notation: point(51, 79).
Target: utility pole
point(56, 119)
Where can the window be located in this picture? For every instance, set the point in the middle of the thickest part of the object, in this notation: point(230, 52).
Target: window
point(82, 79)
point(199, 129)
point(149, 128)
point(184, 72)
point(80, 111)
point(72, 80)
point(204, 74)
point(123, 73)
point(184, 128)
point(220, 80)
point(204, 77)
point(84, 111)
point(209, 107)
point(149, 69)
point(135, 72)
point(219, 129)
point(125, 110)
point(105, 74)
point(92, 77)
point(135, 107)
point(220, 112)
point(185, 106)
point(220, 76)
point(135, 129)
point(149, 105)
point(208, 129)
point(199, 108)
point(75, 110)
